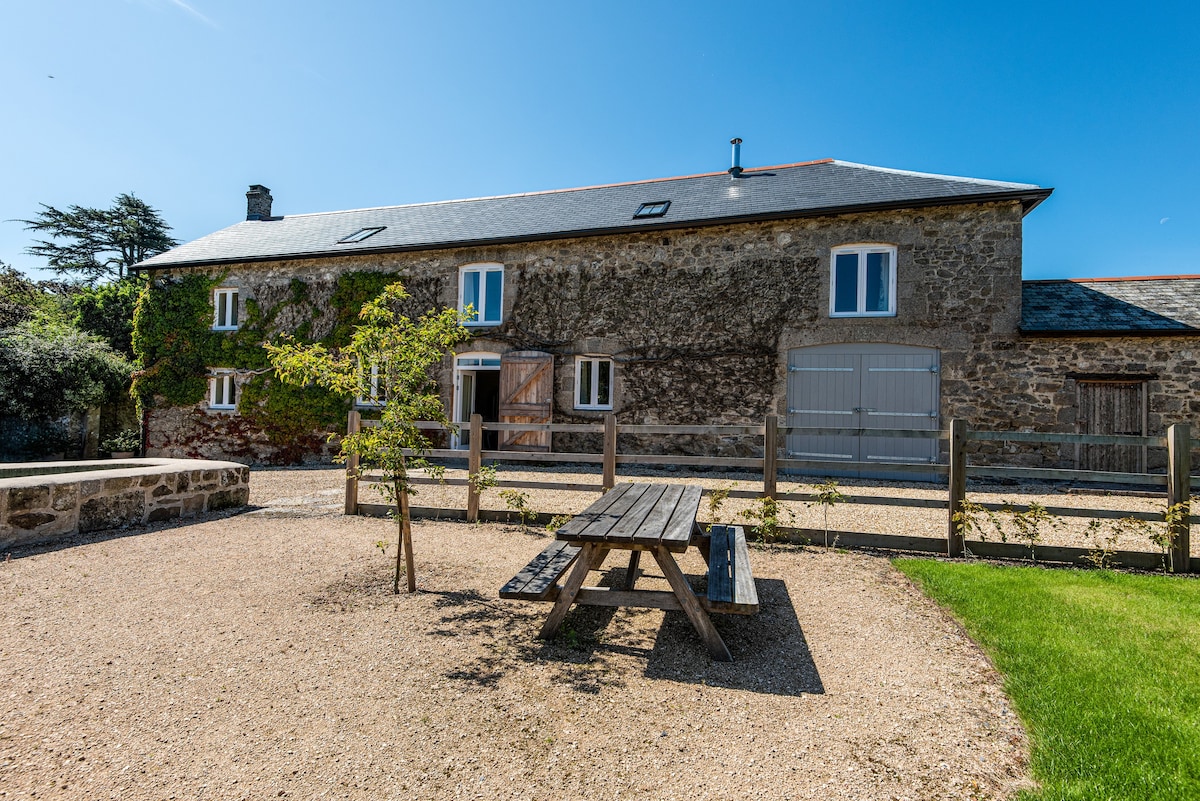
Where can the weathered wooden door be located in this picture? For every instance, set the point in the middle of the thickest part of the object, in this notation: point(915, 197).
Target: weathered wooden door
point(1112, 407)
point(526, 396)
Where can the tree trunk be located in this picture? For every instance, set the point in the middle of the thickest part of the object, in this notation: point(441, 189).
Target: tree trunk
point(406, 536)
point(403, 539)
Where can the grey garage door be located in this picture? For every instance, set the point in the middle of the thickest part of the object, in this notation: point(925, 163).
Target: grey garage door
point(863, 386)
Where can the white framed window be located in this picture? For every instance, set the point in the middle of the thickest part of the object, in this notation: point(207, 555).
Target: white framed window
point(481, 286)
point(371, 399)
point(225, 309)
point(222, 392)
point(862, 281)
point(593, 382)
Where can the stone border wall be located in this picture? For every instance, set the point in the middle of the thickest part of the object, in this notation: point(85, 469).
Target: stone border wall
point(41, 508)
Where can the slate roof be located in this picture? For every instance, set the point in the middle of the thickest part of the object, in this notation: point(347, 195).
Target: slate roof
point(795, 190)
point(1096, 306)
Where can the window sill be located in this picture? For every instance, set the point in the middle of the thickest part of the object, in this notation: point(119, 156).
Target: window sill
point(593, 408)
point(844, 315)
point(225, 327)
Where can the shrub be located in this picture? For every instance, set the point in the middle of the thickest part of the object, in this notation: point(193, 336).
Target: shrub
point(49, 370)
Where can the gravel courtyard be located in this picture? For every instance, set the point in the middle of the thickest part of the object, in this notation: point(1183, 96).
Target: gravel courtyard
point(262, 655)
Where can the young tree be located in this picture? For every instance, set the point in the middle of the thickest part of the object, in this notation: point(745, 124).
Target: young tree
point(388, 359)
point(99, 243)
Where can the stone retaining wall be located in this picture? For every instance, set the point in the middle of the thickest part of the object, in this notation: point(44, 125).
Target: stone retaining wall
point(40, 508)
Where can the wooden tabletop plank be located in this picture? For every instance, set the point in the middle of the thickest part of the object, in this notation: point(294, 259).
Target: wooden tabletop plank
point(656, 522)
point(589, 515)
point(678, 531)
point(633, 521)
point(603, 522)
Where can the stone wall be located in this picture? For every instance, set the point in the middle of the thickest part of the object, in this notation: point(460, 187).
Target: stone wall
point(1032, 384)
point(40, 508)
point(196, 432)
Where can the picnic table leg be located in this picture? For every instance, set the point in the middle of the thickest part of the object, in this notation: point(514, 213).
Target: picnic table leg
point(631, 574)
point(701, 539)
point(687, 599)
point(588, 561)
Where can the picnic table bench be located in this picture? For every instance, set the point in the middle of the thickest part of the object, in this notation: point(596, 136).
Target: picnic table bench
point(661, 519)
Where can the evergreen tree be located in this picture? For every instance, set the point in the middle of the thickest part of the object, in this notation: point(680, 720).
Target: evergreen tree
point(98, 243)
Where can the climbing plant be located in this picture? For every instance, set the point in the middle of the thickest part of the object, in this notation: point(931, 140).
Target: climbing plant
point(176, 347)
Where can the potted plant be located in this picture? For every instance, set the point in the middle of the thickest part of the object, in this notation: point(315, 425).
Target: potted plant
point(122, 445)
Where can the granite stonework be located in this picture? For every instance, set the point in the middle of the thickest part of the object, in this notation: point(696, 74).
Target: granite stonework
point(41, 508)
point(1033, 385)
point(699, 323)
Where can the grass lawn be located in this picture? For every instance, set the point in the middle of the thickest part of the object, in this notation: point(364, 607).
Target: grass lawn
point(1103, 668)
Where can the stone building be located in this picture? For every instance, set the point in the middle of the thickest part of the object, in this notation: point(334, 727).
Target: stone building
point(833, 294)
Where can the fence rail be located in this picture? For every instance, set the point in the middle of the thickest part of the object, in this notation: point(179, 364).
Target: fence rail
point(1175, 482)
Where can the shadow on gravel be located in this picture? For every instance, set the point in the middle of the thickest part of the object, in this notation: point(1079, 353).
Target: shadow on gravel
point(770, 652)
point(772, 655)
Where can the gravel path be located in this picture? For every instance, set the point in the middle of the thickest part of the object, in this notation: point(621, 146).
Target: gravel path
point(262, 655)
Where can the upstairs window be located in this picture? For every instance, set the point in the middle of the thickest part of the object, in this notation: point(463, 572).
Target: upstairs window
point(593, 382)
point(863, 281)
point(222, 393)
point(225, 309)
point(481, 287)
point(371, 398)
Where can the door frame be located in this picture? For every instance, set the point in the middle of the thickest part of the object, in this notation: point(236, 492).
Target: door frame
point(471, 362)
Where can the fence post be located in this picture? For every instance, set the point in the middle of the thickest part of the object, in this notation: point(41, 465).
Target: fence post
point(958, 486)
point(610, 451)
point(353, 426)
point(474, 462)
point(770, 455)
point(1179, 491)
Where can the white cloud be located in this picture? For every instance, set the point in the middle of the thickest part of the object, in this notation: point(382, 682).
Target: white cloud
point(1163, 220)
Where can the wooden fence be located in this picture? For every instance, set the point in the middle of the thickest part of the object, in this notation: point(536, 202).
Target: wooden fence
point(1175, 483)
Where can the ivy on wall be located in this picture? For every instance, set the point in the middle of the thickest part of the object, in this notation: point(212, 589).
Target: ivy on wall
point(176, 346)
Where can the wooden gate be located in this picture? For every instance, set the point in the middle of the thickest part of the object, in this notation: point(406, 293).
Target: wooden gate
point(526, 396)
point(1112, 407)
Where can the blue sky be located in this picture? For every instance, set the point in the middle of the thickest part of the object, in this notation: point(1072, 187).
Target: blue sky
point(355, 104)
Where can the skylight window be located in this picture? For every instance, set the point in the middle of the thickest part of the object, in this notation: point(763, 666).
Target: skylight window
point(656, 209)
point(361, 234)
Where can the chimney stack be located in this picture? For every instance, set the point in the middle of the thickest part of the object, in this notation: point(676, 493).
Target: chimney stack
point(736, 169)
point(258, 203)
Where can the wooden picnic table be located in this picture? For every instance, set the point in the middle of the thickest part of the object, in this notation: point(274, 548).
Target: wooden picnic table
point(661, 519)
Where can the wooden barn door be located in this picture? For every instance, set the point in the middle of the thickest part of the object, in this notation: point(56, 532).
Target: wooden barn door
point(863, 386)
point(526, 396)
point(1112, 407)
